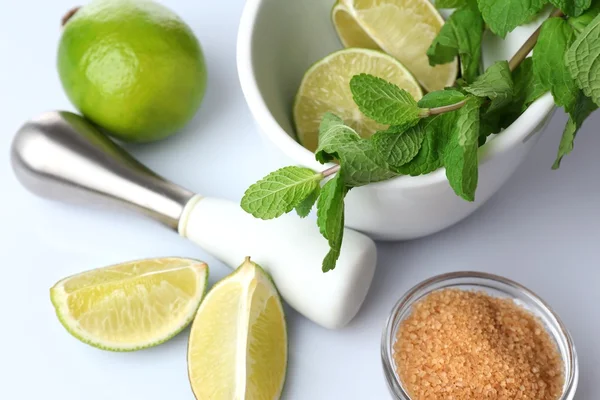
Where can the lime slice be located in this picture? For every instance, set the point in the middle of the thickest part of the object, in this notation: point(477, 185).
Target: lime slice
point(131, 306)
point(326, 88)
point(401, 28)
point(238, 342)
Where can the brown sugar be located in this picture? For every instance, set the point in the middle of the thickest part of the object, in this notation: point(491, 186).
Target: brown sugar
point(459, 344)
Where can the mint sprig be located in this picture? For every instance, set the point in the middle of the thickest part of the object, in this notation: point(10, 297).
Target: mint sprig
point(280, 192)
point(429, 157)
point(384, 102)
point(527, 86)
point(583, 107)
point(441, 98)
point(583, 60)
point(330, 217)
point(460, 154)
point(556, 36)
point(495, 84)
point(362, 163)
point(305, 206)
point(397, 146)
point(572, 8)
point(502, 16)
point(461, 36)
point(446, 127)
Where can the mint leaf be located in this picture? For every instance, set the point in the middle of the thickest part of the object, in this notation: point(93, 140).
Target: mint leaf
point(304, 207)
point(450, 3)
point(527, 87)
point(330, 217)
point(490, 123)
point(440, 98)
point(383, 101)
point(584, 106)
point(361, 162)
point(334, 137)
point(397, 146)
point(572, 7)
point(579, 23)
point(436, 135)
point(461, 36)
point(495, 83)
point(502, 16)
point(280, 191)
point(583, 60)
point(460, 155)
point(555, 38)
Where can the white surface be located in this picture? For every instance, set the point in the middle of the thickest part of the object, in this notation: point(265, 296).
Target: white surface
point(542, 229)
point(291, 250)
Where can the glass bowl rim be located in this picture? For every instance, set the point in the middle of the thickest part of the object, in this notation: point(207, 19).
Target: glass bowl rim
point(408, 299)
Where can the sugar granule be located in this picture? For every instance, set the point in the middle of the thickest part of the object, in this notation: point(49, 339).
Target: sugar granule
point(459, 344)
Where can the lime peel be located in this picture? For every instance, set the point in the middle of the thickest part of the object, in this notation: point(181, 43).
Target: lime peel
point(241, 316)
point(116, 294)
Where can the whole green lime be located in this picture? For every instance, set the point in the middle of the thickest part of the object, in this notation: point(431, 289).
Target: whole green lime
point(132, 67)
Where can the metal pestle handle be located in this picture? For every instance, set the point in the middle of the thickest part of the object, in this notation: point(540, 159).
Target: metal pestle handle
point(60, 155)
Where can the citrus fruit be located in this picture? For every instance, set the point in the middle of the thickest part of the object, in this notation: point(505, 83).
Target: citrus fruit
point(132, 67)
point(133, 305)
point(238, 341)
point(326, 88)
point(401, 28)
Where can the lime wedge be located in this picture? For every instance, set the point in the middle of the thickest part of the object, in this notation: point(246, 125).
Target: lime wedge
point(401, 28)
point(238, 341)
point(326, 88)
point(131, 306)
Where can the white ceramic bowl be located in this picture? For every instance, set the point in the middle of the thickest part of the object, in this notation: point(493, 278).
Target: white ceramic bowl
point(279, 39)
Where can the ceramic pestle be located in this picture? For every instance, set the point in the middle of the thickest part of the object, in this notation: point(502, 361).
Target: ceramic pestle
point(60, 155)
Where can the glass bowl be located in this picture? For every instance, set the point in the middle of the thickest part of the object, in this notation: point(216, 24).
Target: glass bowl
point(496, 286)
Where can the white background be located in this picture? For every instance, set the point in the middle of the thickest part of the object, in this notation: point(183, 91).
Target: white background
point(542, 229)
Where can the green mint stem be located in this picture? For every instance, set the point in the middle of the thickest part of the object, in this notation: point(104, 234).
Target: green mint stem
point(524, 51)
point(448, 108)
point(330, 171)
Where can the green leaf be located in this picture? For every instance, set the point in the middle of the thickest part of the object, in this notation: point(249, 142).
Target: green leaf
point(361, 162)
point(502, 16)
point(527, 87)
point(304, 207)
point(572, 7)
point(330, 217)
point(460, 155)
point(280, 191)
point(461, 36)
point(495, 83)
point(334, 136)
point(450, 3)
point(555, 38)
point(440, 98)
point(397, 147)
point(583, 60)
point(584, 106)
point(437, 131)
point(383, 101)
point(496, 120)
point(579, 23)
point(489, 123)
